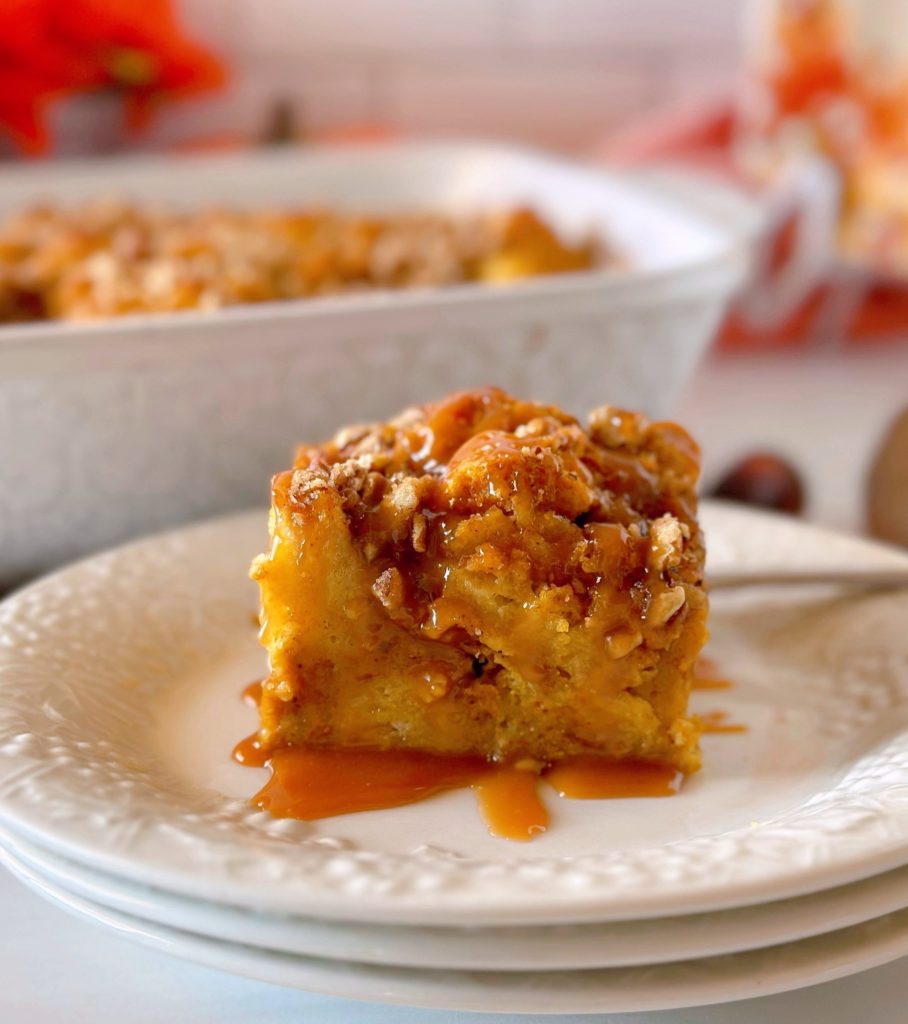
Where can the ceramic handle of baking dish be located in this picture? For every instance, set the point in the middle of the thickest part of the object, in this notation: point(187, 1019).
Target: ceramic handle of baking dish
point(798, 245)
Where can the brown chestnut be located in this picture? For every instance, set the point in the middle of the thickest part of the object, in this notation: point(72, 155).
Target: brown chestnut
point(765, 480)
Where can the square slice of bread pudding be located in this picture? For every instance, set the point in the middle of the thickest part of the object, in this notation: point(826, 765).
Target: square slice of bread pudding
point(486, 576)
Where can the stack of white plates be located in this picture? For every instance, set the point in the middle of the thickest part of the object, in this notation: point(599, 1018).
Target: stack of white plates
point(782, 864)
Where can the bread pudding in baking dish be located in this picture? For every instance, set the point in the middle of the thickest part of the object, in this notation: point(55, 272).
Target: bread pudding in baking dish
point(485, 577)
point(106, 259)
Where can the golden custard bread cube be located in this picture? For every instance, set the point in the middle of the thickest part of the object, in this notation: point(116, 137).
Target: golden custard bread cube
point(484, 575)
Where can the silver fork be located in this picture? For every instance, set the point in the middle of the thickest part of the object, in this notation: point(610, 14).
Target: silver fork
point(873, 579)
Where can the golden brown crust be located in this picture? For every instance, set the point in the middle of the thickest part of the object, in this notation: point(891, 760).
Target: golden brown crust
point(484, 575)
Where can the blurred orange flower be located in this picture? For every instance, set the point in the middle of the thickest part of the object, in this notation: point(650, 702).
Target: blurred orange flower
point(50, 48)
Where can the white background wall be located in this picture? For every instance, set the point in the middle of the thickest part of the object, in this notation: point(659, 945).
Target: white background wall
point(555, 72)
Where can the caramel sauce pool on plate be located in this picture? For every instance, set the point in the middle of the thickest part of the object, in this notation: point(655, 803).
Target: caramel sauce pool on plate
point(314, 782)
point(311, 782)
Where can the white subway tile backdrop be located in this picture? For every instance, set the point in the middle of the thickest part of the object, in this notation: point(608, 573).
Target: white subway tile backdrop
point(559, 73)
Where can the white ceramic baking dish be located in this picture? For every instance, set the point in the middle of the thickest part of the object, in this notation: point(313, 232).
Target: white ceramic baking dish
point(108, 430)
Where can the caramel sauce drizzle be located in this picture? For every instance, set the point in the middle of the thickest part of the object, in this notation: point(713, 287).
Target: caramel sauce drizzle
point(252, 694)
point(249, 752)
point(717, 722)
point(702, 683)
point(310, 782)
point(706, 667)
point(708, 676)
point(319, 782)
point(595, 778)
point(509, 802)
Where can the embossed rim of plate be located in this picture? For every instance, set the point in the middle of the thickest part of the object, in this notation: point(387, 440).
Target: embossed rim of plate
point(128, 621)
point(539, 948)
point(667, 986)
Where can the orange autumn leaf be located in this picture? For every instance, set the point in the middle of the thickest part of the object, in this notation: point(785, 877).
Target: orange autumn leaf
point(23, 99)
point(49, 48)
point(811, 61)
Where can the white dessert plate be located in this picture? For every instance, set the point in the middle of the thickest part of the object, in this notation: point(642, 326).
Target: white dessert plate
point(544, 947)
point(611, 990)
point(119, 704)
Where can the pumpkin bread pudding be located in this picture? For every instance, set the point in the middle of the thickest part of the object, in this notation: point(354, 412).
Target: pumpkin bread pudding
point(485, 576)
point(108, 258)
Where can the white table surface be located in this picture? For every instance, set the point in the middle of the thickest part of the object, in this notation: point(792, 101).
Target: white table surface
point(828, 413)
